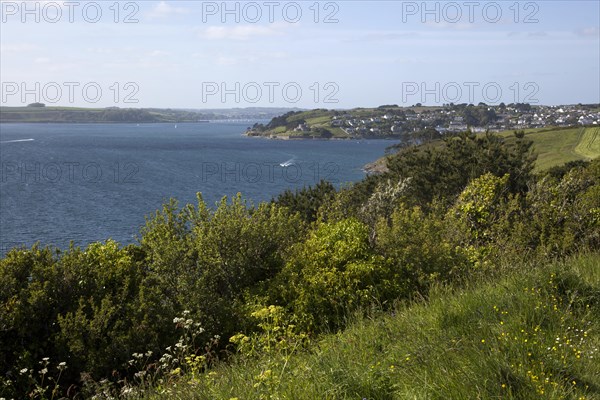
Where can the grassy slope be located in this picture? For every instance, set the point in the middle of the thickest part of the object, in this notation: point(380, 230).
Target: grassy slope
point(534, 334)
point(589, 144)
point(556, 147)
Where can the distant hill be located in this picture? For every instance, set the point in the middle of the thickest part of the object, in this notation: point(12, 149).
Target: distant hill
point(40, 113)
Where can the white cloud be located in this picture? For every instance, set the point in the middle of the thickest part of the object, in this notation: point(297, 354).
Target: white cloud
point(243, 32)
point(455, 26)
point(163, 9)
point(158, 53)
point(100, 50)
point(590, 32)
point(245, 59)
point(16, 47)
point(385, 36)
point(537, 34)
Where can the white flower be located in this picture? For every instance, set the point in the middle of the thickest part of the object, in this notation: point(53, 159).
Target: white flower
point(24, 371)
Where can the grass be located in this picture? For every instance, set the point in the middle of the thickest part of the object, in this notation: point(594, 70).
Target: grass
point(318, 120)
point(589, 143)
point(532, 332)
point(560, 145)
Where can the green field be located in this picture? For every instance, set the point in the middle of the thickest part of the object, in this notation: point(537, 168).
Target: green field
point(557, 146)
point(318, 120)
point(589, 143)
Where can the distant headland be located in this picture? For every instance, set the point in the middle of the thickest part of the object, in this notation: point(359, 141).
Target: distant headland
point(40, 113)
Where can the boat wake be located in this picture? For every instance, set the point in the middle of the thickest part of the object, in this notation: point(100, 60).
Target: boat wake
point(17, 140)
point(289, 162)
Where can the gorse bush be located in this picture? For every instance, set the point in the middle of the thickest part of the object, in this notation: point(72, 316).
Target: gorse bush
point(274, 276)
point(333, 271)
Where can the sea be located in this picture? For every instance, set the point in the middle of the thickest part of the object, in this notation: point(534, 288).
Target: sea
point(82, 183)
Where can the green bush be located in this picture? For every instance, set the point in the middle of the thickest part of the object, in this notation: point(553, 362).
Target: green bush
point(334, 271)
point(419, 247)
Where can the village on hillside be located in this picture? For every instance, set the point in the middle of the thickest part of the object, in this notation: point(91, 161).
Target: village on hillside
point(393, 121)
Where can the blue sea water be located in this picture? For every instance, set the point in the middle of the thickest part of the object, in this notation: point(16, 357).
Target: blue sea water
point(90, 182)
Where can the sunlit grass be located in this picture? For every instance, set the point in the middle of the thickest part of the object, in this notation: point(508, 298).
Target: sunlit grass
point(589, 144)
point(531, 335)
point(555, 146)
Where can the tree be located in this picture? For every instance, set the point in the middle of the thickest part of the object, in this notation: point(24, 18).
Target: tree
point(443, 171)
point(307, 201)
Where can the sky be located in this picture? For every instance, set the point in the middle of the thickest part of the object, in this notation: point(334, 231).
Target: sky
point(308, 54)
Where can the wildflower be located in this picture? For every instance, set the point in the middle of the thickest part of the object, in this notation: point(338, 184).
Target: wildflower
point(23, 371)
point(140, 374)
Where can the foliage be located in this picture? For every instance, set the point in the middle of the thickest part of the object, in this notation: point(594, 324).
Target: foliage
point(564, 215)
point(443, 172)
point(307, 201)
point(335, 270)
point(530, 332)
point(418, 247)
point(276, 276)
point(93, 308)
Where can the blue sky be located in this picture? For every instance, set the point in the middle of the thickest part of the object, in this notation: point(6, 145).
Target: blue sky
point(194, 54)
